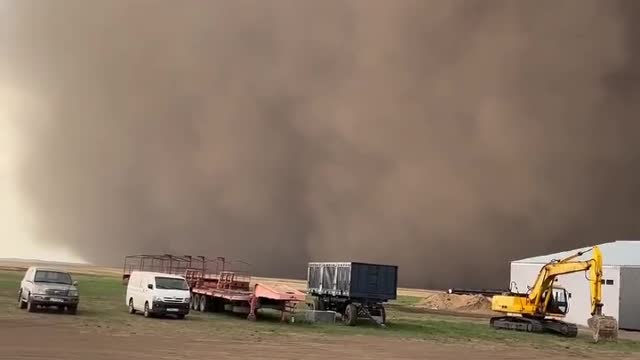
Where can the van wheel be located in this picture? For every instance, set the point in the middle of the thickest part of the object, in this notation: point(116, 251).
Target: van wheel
point(146, 310)
point(21, 303)
point(73, 309)
point(131, 309)
point(180, 316)
point(30, 306)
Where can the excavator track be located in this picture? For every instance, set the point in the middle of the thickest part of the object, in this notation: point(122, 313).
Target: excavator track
point(561, 328)
point(514, 323)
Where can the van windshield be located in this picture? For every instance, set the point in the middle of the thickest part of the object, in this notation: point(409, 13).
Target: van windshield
point(171, 284)
point(53, 277)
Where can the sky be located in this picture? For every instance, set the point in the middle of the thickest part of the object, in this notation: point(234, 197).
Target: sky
point(16, 220)
point(444, 136)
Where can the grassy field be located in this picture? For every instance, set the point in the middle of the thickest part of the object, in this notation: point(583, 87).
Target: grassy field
point(102, 306)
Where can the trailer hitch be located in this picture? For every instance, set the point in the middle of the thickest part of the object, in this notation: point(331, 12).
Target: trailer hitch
point(364, 312)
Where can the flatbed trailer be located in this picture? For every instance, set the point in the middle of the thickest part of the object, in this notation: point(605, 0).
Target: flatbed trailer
point(215, 288)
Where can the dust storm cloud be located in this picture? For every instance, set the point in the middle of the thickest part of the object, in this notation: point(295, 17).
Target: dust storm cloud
point(447, 137)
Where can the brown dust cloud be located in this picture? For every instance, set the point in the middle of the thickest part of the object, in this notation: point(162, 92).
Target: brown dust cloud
point(447, 137)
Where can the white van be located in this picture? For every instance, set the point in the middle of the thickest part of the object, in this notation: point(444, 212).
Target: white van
point(158, 294)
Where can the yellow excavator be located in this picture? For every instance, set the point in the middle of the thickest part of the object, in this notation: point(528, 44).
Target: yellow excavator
point(544, 305)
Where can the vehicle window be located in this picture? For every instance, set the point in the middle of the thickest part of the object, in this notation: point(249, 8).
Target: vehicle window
point(560, 296)
point(54, 277)
point(560, 303)
point(171, 284)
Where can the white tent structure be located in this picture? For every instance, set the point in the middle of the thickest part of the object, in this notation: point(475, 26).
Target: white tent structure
point(621, 289)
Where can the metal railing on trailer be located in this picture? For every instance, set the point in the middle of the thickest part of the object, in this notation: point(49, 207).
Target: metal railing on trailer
point(192, 267)
point(167, 264)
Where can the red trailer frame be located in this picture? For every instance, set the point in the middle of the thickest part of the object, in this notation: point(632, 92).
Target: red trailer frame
point(227, 288)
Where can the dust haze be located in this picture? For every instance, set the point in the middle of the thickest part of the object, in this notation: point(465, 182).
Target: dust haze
point(447, 137)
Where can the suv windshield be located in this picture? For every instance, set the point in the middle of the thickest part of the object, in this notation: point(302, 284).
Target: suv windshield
point(54, 277)
point(171, 284)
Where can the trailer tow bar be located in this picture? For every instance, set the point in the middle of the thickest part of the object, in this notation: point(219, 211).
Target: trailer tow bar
point(364, 312)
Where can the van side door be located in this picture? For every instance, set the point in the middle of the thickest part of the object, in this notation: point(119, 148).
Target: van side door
point(138, 301)
point(129, 293)
point(133, 289)
point(148, 293)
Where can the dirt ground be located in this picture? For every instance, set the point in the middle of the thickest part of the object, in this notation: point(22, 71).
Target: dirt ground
point(46, 339)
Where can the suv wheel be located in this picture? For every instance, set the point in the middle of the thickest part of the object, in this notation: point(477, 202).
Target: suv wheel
point(132, 310)
point(204, 305)
point(21, 303)
point(73, 309)
point(30, 306)
point(146, 310)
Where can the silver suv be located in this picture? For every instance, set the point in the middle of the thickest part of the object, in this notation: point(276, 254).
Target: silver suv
point(48, 288)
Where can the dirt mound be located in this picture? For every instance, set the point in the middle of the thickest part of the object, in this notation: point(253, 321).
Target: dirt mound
point(454, 302)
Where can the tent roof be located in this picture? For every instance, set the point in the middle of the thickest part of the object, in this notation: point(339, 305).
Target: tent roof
point(617, 253)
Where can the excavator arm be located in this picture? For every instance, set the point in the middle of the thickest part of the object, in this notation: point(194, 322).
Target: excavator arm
point(549, 272)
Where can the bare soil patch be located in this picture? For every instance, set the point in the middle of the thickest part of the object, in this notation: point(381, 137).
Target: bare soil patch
point(453, 302)
point(38, 339)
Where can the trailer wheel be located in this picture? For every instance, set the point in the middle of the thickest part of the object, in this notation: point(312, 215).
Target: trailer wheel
point(196, 302)
point(383, 315)
point(350, 315)
point(204, 305)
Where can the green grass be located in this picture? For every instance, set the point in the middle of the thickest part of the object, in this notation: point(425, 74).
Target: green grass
point(102, 305)
point(406, 300)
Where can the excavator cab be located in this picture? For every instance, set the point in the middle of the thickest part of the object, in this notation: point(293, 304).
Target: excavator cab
point(558, 304)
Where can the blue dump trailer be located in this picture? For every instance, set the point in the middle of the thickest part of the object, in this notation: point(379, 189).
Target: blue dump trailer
point(352, 289)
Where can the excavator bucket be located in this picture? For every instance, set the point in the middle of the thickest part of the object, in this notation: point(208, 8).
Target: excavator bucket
point(604, 328)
